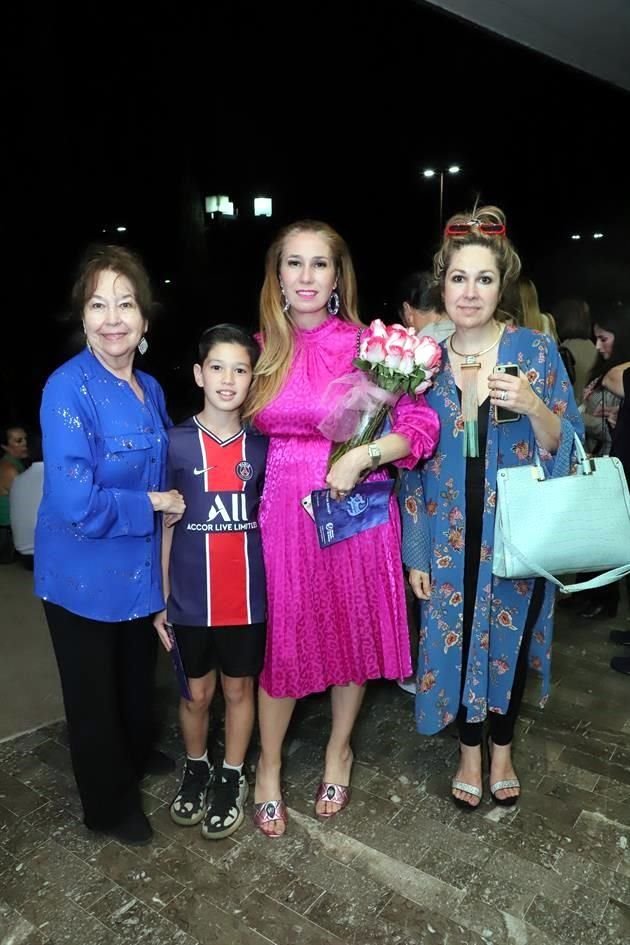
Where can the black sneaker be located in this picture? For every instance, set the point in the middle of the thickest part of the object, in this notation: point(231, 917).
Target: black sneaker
point(225, 810)
point(189, 804)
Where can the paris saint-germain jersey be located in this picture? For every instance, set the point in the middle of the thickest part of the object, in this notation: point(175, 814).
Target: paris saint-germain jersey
point(216, 565)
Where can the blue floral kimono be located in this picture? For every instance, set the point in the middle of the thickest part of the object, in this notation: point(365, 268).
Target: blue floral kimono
point(433, 503)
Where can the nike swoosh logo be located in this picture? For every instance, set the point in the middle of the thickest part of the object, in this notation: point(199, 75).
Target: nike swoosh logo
point(200, 472)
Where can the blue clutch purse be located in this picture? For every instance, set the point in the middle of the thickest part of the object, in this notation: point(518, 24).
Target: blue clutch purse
point(338, 519)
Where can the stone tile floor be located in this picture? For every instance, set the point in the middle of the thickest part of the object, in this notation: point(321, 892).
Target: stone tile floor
point(400, 866)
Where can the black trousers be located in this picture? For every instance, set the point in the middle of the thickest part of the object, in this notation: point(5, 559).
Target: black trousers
point(107, 678)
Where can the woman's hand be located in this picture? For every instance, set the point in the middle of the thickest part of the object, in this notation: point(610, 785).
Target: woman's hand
point(161, 625)
point(347, 471)
point(513, 393)
point(420, 583)
point(610, 413)
point(171, 502)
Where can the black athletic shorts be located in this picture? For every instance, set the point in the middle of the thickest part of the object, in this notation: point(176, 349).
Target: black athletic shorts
point(235, 651)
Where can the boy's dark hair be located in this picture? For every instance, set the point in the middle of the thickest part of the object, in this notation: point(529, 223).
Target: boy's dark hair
point(227, 334)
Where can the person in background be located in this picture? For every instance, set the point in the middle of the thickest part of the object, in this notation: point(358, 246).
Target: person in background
point(599, 409)
point(617, 380)
point(336, 616)
point(573, 325)
point(24, 499)
point(599, 406)
point(14, 447)
point(97, 540)
point(478, 632)
point(419, 306)
point(214, 578)
point(530, 315)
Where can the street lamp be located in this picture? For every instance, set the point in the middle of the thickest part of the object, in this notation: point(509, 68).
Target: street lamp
point(430, 172)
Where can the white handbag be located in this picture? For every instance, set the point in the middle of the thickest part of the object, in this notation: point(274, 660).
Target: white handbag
point(564, 525)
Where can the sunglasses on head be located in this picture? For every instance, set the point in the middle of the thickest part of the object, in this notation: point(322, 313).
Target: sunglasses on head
point(463, 229)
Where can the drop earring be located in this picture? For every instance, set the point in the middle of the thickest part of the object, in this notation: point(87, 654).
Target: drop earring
point(284, 299)
point(333, 303)
point(143, 345)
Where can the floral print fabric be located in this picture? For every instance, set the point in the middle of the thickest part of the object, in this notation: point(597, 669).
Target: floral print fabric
point(433, 502)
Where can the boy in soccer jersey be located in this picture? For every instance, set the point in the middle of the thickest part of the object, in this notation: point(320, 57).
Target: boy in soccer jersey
point(214, 579)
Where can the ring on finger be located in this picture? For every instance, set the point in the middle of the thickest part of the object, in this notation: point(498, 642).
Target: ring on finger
point(504, 395)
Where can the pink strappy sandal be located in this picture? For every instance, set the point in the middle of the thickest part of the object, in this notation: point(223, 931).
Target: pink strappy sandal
point(269, 811)
point(335, 793)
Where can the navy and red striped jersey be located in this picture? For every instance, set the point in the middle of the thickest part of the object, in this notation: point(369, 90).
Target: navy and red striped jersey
point(216, 566)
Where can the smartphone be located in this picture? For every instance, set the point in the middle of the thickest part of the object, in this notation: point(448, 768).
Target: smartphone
point(307, 505)
point(502, 414)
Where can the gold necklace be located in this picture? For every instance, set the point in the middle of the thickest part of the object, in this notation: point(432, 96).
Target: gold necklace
point(470, 359)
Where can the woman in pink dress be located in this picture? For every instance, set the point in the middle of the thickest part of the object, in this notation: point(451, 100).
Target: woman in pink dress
point(337, 616)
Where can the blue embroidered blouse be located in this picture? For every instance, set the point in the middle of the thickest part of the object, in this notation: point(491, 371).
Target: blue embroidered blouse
point(97, 540)
point(434, 533)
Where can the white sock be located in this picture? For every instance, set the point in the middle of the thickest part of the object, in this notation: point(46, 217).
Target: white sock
point(203, 757)
point(238, 768)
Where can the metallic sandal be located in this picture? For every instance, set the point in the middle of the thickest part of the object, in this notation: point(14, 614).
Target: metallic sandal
point(335, 793)
point(501, 786)
point(269, 811)
point(471, 789)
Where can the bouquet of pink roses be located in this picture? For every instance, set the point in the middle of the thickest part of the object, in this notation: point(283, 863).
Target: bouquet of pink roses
point(393, 360)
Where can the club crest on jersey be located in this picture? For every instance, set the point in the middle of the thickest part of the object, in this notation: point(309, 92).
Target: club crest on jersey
point(244, 470)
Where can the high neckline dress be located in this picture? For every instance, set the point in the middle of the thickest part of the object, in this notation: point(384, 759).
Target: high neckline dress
point(335, 615)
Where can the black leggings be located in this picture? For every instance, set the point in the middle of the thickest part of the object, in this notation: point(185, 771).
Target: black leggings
point(107, 673)
point(501, 726)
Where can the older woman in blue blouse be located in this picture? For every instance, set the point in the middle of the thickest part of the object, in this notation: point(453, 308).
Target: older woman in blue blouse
point(97, 542)
point(479, 632)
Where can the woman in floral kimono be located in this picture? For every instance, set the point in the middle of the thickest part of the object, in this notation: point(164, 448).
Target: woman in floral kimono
point(478, 632)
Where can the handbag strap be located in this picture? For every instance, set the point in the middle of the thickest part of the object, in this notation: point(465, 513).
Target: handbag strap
point(600, 580)
point(583, 460)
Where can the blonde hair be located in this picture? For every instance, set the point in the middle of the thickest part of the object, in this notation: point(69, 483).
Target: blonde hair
point(277, 327)
point(507, 259)
point(530, 315)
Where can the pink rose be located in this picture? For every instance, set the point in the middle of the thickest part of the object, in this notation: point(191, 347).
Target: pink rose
point(400, 330)
point(378, 329)
point(428, 353)
point(424, 385)
point(373, 350)
point(406, 362)
point(394, 355)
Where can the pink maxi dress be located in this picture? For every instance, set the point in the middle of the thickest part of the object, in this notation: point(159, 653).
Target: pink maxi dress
point(335, 615)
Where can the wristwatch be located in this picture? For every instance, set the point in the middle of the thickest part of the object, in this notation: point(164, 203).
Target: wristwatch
point(375, 455)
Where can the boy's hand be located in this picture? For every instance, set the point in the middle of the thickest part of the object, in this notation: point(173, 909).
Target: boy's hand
point(161, 625)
